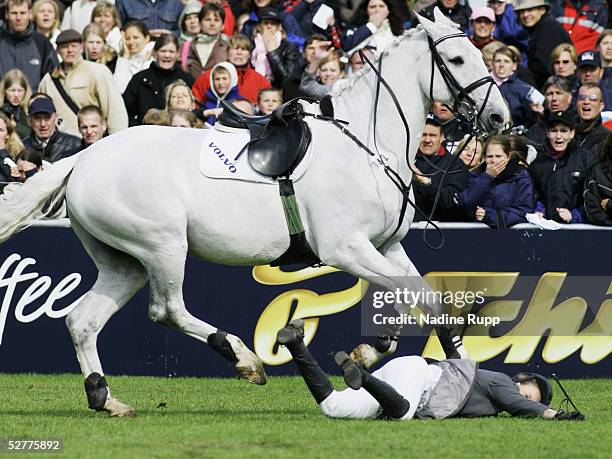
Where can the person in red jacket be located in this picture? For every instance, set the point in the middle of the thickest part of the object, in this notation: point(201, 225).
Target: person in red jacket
point(584, 20)
point(249, 81)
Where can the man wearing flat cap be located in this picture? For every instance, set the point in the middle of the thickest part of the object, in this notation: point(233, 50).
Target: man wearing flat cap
point(76, 83)
point(46, 137)
point(545, 34)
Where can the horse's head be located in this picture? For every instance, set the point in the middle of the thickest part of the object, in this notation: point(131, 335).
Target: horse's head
point(460, 78)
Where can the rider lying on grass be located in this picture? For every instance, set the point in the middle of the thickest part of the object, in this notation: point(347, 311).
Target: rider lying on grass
point(407, 387)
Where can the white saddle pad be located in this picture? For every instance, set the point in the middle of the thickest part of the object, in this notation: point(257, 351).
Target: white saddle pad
point(218, 157)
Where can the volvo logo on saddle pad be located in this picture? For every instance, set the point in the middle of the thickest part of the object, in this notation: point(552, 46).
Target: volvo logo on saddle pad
point(226, 161)
point(219, 152)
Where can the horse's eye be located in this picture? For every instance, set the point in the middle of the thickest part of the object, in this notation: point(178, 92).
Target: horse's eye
point(457, 60)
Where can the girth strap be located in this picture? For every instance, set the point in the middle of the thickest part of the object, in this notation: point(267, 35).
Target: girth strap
point(299, 250)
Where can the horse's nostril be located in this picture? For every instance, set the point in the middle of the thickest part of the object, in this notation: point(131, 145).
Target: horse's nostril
point(496, 120)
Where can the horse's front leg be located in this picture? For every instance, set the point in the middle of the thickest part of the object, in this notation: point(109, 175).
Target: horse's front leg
point(391, 270)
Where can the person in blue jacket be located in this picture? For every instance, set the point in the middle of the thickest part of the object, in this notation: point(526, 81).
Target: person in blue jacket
point(508, 28)
point(500, 193)
point(524, 101)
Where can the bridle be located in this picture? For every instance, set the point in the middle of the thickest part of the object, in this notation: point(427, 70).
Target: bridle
point(464, 108)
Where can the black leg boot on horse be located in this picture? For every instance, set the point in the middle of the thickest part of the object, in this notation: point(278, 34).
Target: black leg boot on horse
point(292, 337)
point(393, 404)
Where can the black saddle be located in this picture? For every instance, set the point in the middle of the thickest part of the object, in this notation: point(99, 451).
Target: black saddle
point(279, 140)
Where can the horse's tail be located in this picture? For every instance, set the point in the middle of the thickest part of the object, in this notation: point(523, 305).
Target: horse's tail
point(37, 197)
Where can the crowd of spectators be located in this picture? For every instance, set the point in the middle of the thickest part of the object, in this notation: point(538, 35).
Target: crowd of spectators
point(72, 72)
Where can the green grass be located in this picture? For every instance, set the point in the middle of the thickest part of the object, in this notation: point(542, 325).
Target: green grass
point(226, 418)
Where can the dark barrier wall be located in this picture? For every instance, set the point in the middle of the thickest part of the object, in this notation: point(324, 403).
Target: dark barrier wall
point(43, 270)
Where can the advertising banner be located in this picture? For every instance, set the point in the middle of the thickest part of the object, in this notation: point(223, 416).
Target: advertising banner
point(528, 299)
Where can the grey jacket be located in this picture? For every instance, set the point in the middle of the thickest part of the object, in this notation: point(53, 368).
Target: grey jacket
point(30, 52)
point(466, 391)
point(494, 392)
point(452, 391)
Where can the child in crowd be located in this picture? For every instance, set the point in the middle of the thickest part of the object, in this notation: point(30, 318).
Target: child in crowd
point(185, 118)
point(329, 69)
point(223, 86)
point(244, 105)
point(96, 49)
point(269, 100)
point(15, 95)
point(524, 101)
point(156, 117)
point(249, 81)
point(471, 154)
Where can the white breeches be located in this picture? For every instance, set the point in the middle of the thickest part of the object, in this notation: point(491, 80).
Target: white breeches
point(411, 376)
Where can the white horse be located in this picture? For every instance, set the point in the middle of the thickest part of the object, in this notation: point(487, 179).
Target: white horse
point(139, 205)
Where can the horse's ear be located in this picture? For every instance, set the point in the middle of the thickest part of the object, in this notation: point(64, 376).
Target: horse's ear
point(428, 25)
point(443, 20)
point(439, 28)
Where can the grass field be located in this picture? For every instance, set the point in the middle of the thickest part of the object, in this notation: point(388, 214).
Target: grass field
point(228, 418)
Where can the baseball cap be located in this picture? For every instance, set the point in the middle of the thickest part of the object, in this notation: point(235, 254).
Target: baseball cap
point(589, 59)
point(41, 105)
point(546, 390)
point(68, 36)
point(433, 120)
point(565, 117)
point(269, 14)
point(483, 12)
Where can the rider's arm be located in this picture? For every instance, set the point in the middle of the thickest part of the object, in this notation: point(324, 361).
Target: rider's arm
point(505, 394)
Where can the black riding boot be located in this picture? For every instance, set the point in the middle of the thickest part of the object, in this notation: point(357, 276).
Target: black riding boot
point(393, 404)
point(292, 337)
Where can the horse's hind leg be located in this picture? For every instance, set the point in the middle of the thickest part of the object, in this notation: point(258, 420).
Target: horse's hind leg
point(166, 271)
point(120, 276)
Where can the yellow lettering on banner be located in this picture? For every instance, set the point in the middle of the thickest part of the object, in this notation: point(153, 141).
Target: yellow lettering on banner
point(309, 306)
point(542, 314)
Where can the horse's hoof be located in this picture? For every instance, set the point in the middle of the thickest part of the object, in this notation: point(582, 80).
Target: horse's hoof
point(115, 408)
point(366, 355)
point(253, 374)
point(248, 366)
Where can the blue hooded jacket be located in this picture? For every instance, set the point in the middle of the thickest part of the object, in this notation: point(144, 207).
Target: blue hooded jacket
point(519, 96)
point(505, 198)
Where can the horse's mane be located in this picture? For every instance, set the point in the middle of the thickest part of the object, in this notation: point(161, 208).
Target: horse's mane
point(347, 84)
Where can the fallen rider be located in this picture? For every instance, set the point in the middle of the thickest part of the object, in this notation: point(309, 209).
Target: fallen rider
point(408, 387)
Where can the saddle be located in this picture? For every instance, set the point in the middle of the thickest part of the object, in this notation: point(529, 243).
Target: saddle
point(279, 140)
